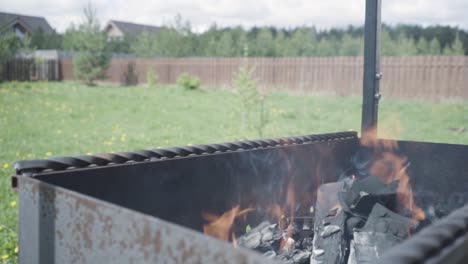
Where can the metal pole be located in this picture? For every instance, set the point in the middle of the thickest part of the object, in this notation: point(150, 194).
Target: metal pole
point(372, 72)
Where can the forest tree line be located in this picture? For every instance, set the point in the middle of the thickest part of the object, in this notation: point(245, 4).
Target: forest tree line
point(177, 39)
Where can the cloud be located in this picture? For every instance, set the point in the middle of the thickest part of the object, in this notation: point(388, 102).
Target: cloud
point(282, 13)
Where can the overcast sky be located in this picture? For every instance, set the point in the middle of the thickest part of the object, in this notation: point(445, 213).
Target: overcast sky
point(283, 13)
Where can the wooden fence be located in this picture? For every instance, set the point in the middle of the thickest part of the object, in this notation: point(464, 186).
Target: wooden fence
point(30, 70)
point(426, 77)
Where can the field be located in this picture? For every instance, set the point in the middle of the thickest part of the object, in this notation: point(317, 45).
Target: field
point(39, 120)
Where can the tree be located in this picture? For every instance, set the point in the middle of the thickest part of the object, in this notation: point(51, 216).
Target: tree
point(41, 40)
point(455, 49)
point(351, 46)
point(145, 45)
point(239, 38)
point(263, 45)
point(405, 45)
point(174, 40)
point(121, 45)
point(434, 47)
point(422, 46)
point(303, 42)
point(325, 48)
point(9, 45)
point(389, 47)
point(92, 59)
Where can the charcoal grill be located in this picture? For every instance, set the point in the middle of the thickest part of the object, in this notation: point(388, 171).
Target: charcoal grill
point(144, 206)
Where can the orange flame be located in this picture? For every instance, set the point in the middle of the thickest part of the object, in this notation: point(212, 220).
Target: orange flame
point(234, 240)
point(221, 226)
point(390, 167)
point(280, 214)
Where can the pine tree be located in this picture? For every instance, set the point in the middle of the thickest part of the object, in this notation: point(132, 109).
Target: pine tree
point(389, 47)
point(406, 46)
point(93, 58)
point(325, 48)
point(224, 45)
point(422, 46)
point(263, 44)
point(351, 46)
point(434, 47)
point(457, 47)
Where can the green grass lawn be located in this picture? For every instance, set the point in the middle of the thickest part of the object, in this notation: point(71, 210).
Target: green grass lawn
point(39, 120)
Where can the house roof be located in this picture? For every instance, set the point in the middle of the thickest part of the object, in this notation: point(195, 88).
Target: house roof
point(32, 23)
point(128, 28)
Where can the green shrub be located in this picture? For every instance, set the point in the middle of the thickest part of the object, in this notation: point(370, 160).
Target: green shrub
point(188, 82)
point(151, 78)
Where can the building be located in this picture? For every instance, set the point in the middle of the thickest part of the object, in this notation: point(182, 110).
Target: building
point(118, 30)
point(23, 25)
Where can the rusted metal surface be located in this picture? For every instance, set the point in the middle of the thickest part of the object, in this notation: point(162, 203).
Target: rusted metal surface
point(61, 226)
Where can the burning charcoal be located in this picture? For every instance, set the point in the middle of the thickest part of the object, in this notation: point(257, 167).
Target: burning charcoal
point(318, 252)
point(351, 223)
point(329, 230)
point(365, 193)
point(306, 243)
point(301, 256)
point(332, 212)
point(250, 240)
point(285, 259)
point(288, 246)
point(352, 253)
point(329, 223)
point(261, 226)
point(382, 230)
point(269, 254)
point(271, 233)
point(253, 238)
point(294, 230)
point(267, 235)
point(308, 224)
point(265, 247)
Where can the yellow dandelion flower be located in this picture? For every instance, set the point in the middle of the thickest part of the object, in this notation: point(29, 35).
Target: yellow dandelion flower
point(13, 203)
point(5, 257)
point(16, 250)
point(48, 153)
point(6, 165)
point(89, 153)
